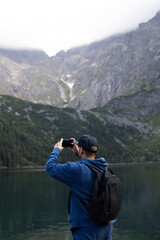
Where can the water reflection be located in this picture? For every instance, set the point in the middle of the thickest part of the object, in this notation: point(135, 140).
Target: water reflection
point(31, 201)
point(140, 213)
point(34, 206)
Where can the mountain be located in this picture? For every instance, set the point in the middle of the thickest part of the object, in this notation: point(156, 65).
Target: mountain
point(127, 128)
point(24, 56)
point(89, 76)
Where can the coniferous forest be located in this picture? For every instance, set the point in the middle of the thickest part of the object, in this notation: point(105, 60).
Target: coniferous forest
point(29, 131)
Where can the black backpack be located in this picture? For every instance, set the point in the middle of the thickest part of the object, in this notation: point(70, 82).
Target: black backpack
point(106, 199)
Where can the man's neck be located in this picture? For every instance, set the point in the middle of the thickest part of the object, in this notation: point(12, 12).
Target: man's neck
point(88, 157)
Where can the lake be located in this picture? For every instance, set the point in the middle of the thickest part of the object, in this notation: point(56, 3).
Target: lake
point(33, 205)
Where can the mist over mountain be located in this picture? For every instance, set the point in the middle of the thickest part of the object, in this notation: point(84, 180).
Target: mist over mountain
point(89, 76)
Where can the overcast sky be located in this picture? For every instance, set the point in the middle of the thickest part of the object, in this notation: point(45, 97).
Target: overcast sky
point(53, 25)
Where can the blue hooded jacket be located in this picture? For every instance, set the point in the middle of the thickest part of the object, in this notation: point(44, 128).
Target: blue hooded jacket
point(80, 180)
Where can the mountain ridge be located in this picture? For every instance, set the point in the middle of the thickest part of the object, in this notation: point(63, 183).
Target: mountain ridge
point(88, 76)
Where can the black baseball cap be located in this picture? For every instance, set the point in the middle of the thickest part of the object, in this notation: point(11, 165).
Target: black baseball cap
point(87, 142)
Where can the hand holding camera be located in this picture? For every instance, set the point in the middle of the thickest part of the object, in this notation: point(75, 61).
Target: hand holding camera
point(59, 144)
point(71, 143)
point(67, 143)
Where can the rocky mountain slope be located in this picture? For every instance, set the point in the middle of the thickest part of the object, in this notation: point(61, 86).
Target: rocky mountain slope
point(89, 76)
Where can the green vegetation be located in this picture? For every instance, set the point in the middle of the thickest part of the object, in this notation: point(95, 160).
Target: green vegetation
point(29, 131)
point(156, 121)
point(146, 86)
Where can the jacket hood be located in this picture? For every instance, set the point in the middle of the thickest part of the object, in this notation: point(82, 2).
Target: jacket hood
point(99, 164)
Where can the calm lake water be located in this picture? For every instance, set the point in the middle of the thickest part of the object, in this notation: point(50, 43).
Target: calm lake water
point(33, 206)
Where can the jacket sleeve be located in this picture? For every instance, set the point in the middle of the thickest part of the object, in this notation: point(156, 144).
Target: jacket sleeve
point(61, 172)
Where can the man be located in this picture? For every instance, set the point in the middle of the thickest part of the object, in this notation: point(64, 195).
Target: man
point(80, 178)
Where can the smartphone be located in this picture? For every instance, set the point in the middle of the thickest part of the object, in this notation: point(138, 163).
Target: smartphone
point(67, 143)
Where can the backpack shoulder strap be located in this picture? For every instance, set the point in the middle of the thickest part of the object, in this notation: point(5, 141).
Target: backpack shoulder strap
point(95, 170)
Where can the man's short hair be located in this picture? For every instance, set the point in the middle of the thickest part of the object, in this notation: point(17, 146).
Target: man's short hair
point(88, 143)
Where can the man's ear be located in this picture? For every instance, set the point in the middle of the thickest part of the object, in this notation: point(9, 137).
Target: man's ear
point(81, 150)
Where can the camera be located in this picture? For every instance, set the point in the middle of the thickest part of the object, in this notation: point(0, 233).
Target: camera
point(67, 143)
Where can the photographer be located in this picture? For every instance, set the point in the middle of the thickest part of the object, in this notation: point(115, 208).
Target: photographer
point(80, 179)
